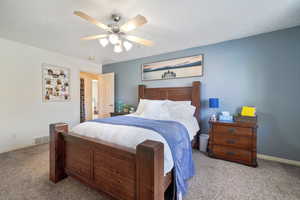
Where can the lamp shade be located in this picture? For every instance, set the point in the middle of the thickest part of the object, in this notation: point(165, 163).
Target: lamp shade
point(213, 102)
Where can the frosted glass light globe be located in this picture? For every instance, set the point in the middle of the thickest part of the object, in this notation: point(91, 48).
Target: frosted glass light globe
point(113, 38)
point(118, 48)
point(103, 42)
point(127, 45)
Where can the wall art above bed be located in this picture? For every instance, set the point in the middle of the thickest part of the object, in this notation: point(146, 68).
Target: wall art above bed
point(56, 83)
point(176, 68)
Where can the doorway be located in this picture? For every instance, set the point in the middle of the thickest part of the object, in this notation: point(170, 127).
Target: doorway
point(96, 95)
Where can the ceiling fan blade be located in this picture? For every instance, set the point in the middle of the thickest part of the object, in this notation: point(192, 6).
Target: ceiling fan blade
point(94, 37)
point(139, 40)
point(133, 23)
point(91, 20)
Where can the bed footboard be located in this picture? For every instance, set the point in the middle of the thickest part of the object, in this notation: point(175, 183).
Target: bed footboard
point(57, 171)
point(150, 174)
point(116, 171)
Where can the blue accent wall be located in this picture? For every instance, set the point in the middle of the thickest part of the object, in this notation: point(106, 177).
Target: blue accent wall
point(261, 71)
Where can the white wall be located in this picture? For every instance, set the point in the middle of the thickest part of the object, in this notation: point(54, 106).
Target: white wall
point(23, 114)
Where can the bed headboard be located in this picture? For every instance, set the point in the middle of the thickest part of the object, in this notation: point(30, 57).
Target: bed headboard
point(174, 93)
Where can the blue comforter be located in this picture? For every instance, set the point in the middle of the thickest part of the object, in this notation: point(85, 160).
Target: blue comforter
point(176, 136)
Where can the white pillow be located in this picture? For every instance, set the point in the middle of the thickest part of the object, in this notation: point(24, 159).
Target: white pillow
point(187, 103)
point(149, 107)
point(165, 109)
point(143, 102)
point(179, 110)
point(140, 107)
point(154, 110)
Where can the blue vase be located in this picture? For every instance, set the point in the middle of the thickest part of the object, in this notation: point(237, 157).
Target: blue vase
point(119, 106)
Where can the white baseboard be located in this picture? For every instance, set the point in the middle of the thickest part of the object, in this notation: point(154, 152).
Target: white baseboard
point(21, 147)
point(277, 159)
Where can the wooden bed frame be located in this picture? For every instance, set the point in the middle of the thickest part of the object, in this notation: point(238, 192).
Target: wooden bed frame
point(116, 171)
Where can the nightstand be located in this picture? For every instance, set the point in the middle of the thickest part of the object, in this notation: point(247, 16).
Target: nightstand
point(113, 114)
point(233, 141)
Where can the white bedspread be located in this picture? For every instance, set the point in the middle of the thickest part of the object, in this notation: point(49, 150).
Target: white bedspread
point(129, 136)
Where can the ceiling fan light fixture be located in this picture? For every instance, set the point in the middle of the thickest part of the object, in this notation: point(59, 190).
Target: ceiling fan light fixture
point(103, 42)
point(113, 38)
point(118, 48)
point(116, 34)
point(127, 45)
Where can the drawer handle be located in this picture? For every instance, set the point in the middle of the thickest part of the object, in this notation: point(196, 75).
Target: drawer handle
point(230, 153)
point(231, 130)
point(230, 141)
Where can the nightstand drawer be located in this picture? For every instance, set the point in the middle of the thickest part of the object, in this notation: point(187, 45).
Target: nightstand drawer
point(232, 154)
point(233, 130)
point(227, 139)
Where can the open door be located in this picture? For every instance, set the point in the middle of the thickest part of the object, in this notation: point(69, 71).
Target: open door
point(106, 94)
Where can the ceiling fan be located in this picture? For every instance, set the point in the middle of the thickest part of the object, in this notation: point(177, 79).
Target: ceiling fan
point(116, 33)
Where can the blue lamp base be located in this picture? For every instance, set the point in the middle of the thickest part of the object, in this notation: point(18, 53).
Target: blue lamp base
point(213, 103)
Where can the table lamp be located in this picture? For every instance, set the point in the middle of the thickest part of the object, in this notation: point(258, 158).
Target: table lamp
point(213, 103)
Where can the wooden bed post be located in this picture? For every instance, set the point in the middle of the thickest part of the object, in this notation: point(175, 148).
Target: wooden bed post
point(150, 170)
point(142, 91)
point(57, 171)
point(196, 99)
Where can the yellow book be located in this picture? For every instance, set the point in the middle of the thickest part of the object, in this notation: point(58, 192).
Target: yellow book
point(248, 111)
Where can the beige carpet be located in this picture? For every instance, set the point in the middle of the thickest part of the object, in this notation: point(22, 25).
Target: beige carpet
point(24, 176)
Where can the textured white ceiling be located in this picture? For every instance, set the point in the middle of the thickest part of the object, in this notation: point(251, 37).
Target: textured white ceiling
point(173, 24)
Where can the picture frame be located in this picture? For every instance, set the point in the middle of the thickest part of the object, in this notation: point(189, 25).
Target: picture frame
point(184, 67)
point(56, 83)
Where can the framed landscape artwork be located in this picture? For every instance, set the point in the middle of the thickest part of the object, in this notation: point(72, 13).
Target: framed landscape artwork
point(56, 83)
point(175, 68)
